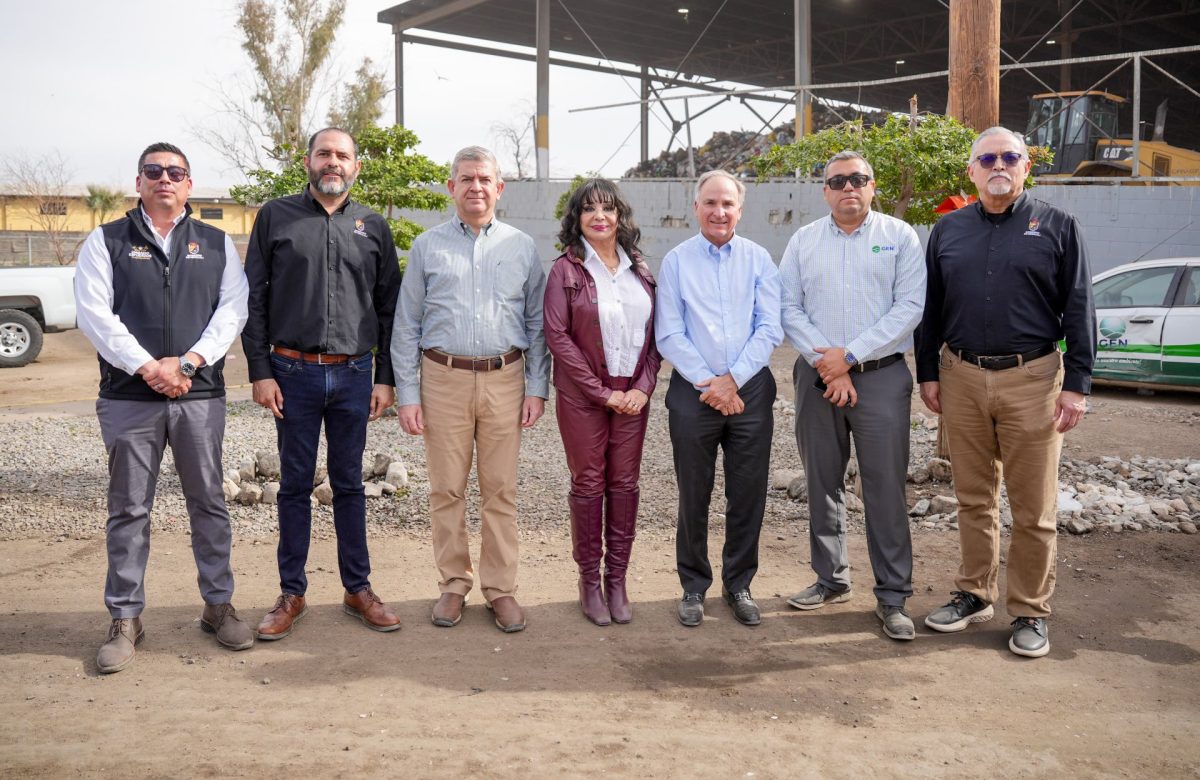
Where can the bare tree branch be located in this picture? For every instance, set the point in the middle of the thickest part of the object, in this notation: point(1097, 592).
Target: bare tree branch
point(40, 185)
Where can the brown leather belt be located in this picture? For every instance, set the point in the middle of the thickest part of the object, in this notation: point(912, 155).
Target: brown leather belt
point(1002, 362)
point(311, 357)
point(494, 363)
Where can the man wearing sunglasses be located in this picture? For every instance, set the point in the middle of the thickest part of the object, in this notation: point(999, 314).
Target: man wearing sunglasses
point(1008, 280)
point(162, 297)
point(853, 290)
point(323, 284)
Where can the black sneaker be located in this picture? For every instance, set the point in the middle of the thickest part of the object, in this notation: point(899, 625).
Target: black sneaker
point(691, 609)
point(1030, 637)
point(744, 608)
point(964, 608)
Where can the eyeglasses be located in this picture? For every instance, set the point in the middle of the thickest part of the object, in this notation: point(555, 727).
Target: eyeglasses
point(1010, 159)
point(857, 180)
point(154, 172)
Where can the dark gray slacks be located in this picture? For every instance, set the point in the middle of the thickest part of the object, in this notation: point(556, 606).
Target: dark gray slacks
point(879, 424)
point(135, 435)
point(745, 440)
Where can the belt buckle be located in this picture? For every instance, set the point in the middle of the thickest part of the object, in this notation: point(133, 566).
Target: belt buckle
point(321, 359)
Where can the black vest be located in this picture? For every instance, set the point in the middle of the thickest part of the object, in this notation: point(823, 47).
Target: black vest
point(165, 302)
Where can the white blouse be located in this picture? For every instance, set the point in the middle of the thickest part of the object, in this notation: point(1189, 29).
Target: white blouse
point(624, 310)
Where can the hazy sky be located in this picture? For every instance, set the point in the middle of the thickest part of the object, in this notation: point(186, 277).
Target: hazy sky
point(97, 81)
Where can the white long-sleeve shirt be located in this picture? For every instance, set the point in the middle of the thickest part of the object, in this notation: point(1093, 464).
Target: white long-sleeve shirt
point(624, 309)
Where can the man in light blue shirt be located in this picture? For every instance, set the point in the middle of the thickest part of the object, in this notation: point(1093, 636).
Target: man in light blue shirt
point(717, 322)
point(853, 292)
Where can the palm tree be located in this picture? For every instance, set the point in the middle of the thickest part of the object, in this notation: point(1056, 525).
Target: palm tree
point(102, 201)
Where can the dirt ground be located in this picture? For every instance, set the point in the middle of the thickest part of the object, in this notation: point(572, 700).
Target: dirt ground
point(820, 694)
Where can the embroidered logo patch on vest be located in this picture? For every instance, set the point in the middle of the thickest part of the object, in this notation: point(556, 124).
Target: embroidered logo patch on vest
point(193, 251)
point(360, 228)
point(140, 252)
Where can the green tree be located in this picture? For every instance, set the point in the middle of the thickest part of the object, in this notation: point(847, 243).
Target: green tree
point(918, 160)
point(393, 177)
point(102, 201)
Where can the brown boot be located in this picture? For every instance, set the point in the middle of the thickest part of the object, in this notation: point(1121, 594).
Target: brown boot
point(222, 620)
point(619, 529)
point(118, 650)
point(587, 530)
point(367, 607)
point(448, 610)
point(510, 618)
point(277, 623)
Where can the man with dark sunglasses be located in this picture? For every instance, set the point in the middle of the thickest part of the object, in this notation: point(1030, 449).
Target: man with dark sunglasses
point(323, 284)
point(162, 297)
point(1008, 280)
point(853, 290)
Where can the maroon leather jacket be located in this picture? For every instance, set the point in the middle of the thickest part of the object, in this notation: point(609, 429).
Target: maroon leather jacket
point(571, 317)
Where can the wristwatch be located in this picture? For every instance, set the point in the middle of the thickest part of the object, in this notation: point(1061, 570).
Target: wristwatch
point(187, 367)
point(850, 359)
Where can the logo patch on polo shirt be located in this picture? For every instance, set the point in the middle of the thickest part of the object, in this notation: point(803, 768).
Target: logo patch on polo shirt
point(1033, 227)
point(360, 228)
point(193, 251)
point(884, 248)
point(140, 252)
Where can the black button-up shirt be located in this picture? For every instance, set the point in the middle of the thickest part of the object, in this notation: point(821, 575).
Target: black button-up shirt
point(320, 283)
point(1009, 284)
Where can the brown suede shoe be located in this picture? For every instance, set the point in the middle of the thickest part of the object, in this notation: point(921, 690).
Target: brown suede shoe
point(510, 618)
point(367, 607)
point(118, 650)
point(277, 623)
point(222, 620)
point(448, 610)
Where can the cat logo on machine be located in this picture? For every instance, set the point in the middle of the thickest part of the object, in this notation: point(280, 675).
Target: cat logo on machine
point(140, 252)
point(360, 228)
point(1112, 332)
point(194, 251)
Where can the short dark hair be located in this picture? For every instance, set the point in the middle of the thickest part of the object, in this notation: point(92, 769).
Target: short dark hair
point(312, 139)
point(601, 191)
point(163, 146)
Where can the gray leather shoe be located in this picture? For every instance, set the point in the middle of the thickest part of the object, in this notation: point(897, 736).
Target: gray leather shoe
point(118, 650)
point(691, 609)
point(1030, 637)
point(816, 596)
point(744, 608)
point(896, 622)
point(222, 620)
point(964, 608)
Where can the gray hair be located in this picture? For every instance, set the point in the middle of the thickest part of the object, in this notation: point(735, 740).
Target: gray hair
point(850, 154)
point(1021, 147)
point(477, 154)
point(704, 177)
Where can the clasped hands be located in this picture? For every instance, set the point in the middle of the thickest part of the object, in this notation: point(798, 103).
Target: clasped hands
point(835, 373)
point(721, 393)
point(163, 377)
point(627, 401)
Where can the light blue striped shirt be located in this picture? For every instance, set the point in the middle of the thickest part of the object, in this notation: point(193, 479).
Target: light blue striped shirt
point(470, 295)
point(864, 291)
point(718, 309)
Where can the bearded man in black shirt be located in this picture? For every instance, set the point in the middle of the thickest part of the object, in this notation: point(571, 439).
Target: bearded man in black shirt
point(1008, 280)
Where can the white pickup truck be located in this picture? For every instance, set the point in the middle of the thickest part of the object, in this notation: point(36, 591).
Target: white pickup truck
point(33, 300)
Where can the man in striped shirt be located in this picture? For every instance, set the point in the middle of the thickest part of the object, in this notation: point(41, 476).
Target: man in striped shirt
point(853, 292)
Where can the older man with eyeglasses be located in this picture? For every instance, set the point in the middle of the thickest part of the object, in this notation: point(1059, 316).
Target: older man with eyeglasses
point(853, 288)
point(1008, 280)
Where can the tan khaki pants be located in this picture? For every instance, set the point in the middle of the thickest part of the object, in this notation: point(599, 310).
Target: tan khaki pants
point(466, 410)
point(1005, 419)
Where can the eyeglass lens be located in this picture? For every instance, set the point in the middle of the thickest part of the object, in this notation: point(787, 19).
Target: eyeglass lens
point(154, 172)
point(857, 180)
point(988, 160)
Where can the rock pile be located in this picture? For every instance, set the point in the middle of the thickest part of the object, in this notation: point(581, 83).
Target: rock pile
point(256, 480)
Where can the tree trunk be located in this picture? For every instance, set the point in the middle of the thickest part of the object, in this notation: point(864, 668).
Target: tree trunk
point(974, 97)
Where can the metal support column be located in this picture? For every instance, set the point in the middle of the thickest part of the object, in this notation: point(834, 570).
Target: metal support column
point(398, 33)
point(644, 115)
point(1135, 165)
point(542, 136)
point(802, 32)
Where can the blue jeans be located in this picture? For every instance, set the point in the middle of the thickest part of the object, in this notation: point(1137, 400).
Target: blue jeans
point(340, 395)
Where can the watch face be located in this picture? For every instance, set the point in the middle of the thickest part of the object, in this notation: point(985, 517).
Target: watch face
point(187, 368)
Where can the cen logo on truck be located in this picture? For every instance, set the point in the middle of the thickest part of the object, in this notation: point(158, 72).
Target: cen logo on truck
point(1112, 329)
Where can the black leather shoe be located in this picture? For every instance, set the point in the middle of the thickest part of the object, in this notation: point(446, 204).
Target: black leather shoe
point(744, 608)
point(691, 609)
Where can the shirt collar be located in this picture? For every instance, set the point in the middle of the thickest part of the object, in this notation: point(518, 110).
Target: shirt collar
point(316, 204)
point(470, 231)
point(833, 225)
point(590, 252)
point(1008, 212)
point(150, 222)
point(717, 252)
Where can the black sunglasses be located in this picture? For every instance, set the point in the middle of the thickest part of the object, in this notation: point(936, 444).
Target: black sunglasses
point(989, 160)
point(154, 172)
point(858, 180)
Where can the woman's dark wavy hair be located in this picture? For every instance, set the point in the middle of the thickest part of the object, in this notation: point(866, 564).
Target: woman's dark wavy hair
point(600, 191)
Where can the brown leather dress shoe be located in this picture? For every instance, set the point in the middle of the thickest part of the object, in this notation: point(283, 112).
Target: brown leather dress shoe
point(222, 620)
point(448, 610)
point(510, 618)
point(367, 607)
point(118, 650)
point(277, 623)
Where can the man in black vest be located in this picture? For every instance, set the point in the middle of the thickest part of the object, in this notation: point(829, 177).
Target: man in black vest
point(162, 297)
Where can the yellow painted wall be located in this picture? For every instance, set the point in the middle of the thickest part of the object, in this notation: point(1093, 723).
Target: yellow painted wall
point(21, 214)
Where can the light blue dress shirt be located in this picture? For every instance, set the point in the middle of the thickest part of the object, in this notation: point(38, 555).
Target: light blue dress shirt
point(718, 309)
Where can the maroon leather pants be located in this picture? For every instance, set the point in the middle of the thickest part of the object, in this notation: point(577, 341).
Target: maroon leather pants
point(603, 448)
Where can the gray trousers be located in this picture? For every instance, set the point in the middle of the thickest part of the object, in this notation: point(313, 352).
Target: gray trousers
point(879, 424)
point(135, 435)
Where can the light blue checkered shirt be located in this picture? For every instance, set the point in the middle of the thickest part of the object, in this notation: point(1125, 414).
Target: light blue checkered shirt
point(864, 291)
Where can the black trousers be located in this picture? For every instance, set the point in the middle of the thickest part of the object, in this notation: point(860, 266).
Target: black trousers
point(745, 440)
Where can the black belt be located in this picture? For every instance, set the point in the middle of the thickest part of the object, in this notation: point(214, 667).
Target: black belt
point(872, 365)
point(1001, 362)
point(494, 363)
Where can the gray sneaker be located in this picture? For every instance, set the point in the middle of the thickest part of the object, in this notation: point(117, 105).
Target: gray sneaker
point(117, 651)
point(691, 609)
point(1030, 637)
point(816, 596)
point(896, 622)
point(964, 608)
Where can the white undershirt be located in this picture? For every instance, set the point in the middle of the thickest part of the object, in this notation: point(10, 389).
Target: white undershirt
point(624, 310)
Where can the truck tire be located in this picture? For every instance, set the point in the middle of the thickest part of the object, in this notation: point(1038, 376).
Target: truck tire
point(20, 338)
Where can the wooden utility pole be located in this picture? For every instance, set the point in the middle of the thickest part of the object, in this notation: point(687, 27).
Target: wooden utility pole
point(974, 97)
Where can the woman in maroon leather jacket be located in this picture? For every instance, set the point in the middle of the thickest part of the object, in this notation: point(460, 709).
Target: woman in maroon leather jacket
point(599, 321)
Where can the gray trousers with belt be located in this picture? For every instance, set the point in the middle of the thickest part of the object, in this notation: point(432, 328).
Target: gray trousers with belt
point(879, 423)
point(135, 435)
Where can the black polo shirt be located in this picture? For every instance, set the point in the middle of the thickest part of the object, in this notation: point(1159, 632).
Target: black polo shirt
point(1006, 284)
point(320, 283)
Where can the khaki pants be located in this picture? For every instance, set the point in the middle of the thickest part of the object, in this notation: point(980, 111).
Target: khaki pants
point(1005, 419)
point(466, 410)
